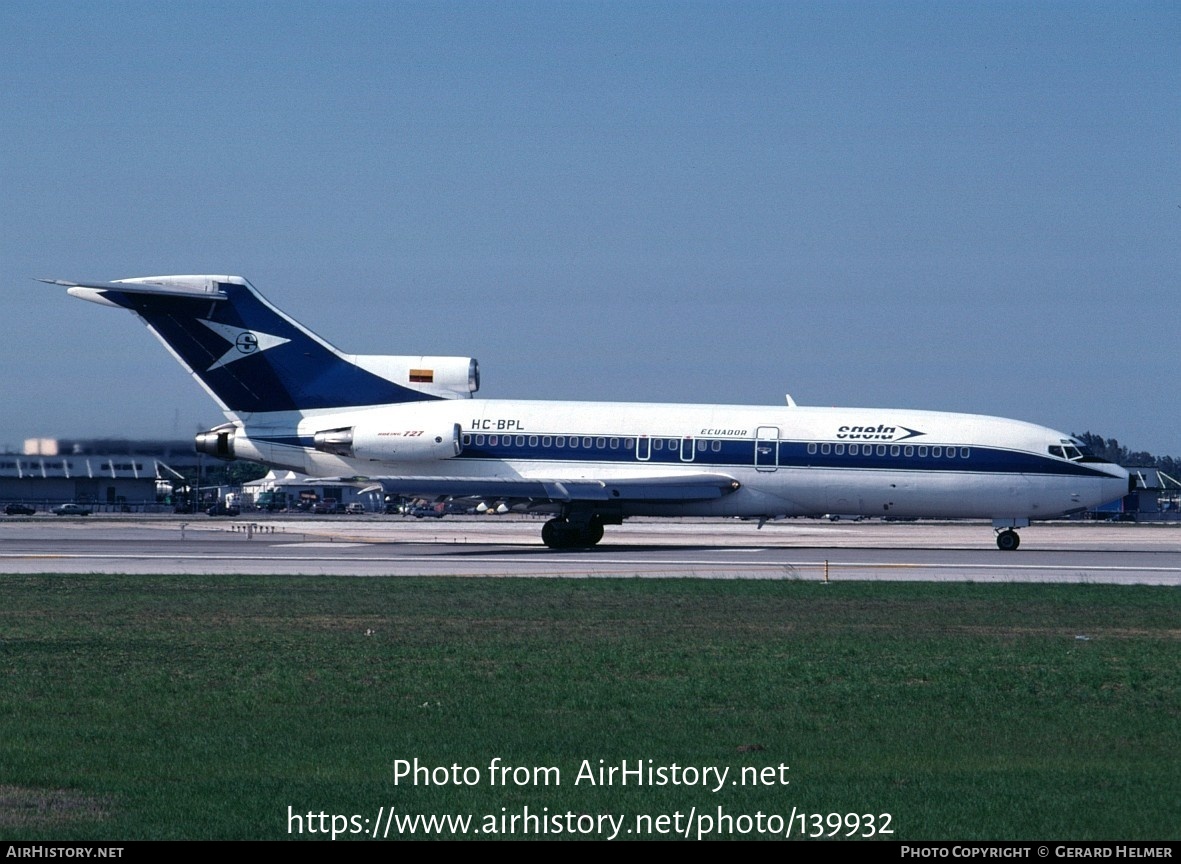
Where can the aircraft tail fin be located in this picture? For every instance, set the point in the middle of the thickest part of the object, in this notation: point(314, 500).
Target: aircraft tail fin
point(253, 358)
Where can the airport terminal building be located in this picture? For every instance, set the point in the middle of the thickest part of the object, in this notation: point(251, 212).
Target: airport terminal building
point(107, 475)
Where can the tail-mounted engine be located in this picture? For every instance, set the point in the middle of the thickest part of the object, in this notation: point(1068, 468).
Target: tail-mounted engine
point(218, 442)
point(378, 444)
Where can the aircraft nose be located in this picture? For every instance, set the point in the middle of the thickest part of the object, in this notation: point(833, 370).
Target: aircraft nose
point(1123, 482)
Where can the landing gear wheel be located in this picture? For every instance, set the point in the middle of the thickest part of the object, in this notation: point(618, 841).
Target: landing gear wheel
point(1008, 540)
point(563, 534)
point(553, 532)
point(593, 533)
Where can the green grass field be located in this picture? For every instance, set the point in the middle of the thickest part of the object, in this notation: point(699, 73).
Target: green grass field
point(193, 707)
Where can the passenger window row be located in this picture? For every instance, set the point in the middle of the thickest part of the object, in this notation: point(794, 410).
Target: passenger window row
point(576, 442)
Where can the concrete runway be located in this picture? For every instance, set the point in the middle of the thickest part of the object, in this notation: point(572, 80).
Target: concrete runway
point(511, 546)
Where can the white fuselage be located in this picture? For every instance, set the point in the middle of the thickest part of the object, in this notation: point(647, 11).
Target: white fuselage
point(787, 460)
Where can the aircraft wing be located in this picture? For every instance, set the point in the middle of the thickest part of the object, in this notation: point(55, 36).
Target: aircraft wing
point(684, 488)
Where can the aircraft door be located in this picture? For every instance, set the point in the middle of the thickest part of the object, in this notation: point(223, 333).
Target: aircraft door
point(643, 448)
point(767, 448)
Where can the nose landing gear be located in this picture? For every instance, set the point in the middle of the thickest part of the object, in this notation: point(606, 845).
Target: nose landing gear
point(1007, 540)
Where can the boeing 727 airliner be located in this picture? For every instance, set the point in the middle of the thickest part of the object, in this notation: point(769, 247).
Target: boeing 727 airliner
point(411, 424)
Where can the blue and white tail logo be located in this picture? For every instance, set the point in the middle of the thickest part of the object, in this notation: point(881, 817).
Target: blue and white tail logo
point(253, 358)
point(244, 343)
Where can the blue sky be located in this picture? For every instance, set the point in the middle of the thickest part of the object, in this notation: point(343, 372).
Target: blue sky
point(955, 206)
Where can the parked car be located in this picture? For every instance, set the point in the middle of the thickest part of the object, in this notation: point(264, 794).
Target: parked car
point(71, 510)
point(425, 512)
point(222, 509)
point(19, 510)
point(356, 508)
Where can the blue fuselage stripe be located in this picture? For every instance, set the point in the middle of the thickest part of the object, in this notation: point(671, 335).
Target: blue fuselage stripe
point(741, 453)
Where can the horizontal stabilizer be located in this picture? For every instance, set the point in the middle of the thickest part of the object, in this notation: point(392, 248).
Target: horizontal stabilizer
point(212, 292)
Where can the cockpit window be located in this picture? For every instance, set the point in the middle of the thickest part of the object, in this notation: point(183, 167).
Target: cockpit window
point(1072, 450)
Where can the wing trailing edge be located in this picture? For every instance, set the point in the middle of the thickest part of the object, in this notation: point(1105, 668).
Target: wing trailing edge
point(687, 488)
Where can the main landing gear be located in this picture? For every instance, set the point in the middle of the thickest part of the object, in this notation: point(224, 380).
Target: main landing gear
point(562, 533)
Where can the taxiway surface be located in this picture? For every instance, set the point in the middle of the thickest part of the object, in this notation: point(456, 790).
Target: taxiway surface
point(511, 546)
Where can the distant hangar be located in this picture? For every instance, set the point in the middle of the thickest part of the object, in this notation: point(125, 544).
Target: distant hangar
point(122, 477)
